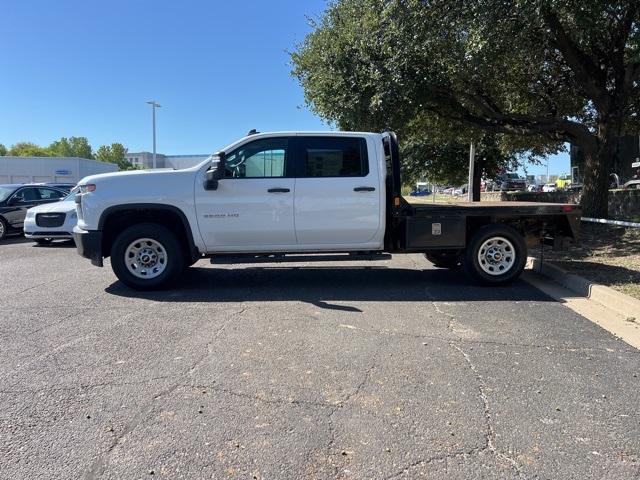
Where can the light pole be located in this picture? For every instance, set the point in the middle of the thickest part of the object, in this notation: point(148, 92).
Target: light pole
point(547, 169)
point(154, 104)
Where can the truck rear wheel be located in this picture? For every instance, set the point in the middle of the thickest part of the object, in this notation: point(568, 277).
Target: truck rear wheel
point(444, 259)
point(147, 257)
point(496, 255)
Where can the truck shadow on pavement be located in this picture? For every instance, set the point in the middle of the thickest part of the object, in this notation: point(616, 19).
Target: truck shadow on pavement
point(321, 286)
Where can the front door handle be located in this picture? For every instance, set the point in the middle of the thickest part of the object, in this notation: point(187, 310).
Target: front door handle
point(278, 190)
point(364, 189)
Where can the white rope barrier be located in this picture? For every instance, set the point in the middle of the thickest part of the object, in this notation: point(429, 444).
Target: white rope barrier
point(611, 222)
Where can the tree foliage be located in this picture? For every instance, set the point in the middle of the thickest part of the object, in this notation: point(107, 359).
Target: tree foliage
point(114, 153)
point(532, 73)
point(27, 149)
point(3, 150)
point(72, 147)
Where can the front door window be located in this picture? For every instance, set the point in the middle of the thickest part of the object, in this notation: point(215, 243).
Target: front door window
point(266, 158)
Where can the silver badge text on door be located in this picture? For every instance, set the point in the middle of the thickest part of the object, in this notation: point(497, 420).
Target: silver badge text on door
point(436, 229)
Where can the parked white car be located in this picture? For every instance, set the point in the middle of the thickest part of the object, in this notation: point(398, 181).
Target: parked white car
point(550, 187)
point(52, 221)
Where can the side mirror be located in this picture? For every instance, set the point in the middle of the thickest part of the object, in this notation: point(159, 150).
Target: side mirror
point(211, 180)
point(213, 176)
point(15, 200)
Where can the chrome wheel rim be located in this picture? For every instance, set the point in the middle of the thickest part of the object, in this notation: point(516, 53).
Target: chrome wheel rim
point(1, 229)
point(496, 256)
point(145, 258)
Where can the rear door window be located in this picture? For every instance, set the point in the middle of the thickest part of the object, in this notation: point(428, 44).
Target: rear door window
point(49, 194)
point(333, 157)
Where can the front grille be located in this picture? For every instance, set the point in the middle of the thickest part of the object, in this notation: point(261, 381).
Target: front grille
point(50, 219)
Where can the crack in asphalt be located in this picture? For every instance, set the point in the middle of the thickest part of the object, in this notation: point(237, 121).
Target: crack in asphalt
point(84, 387)
point(340, 404)
point(215, 335)
point(458, 339)
point(258, 398)
point(490, 435)
point(99, 465)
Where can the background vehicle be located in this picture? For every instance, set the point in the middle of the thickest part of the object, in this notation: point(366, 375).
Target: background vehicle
point(52, 221)
point(509, 181)
point(271, 196)
point(632, 185)
point(563, 182)
point(62, 186)
point(15, 200)
point(421, 190)
point(549, 187)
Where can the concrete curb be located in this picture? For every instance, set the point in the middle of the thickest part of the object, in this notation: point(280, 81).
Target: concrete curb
point(620, 303)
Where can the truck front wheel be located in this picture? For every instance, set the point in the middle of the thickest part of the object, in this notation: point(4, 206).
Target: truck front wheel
point(496, 255)
point(147, 257)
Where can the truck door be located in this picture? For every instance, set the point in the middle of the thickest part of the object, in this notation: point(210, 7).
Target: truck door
point(338, 193)
point(252, 208)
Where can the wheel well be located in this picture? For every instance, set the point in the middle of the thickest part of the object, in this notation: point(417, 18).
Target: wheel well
point(522, 226)
point(117, 220)
point(531, 228)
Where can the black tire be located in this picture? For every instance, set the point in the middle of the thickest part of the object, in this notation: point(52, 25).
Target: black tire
point(449, 260)
point(517, 248)
point(4, 228)
point(169, 248)
point(43, 241)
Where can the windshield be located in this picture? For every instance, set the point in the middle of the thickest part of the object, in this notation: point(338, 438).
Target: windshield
point(512, 175)
point(72, 195)
point(5, 192)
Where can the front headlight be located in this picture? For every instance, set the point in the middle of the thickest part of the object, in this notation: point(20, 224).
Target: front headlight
point(89, 187)
point(31, 214)
point(73, 215)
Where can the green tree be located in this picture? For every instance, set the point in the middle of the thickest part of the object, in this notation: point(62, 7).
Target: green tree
point(27, 149)
point(533, 73)
point(114, 153)
point(3, 150)
point(71, 147)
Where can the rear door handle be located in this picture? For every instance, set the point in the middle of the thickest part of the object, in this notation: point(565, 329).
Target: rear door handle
point(364, 189)
point(278, 190)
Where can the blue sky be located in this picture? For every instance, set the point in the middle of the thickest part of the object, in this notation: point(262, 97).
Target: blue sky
point(86, 68)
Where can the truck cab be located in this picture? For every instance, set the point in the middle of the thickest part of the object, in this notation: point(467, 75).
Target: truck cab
point(280, 194)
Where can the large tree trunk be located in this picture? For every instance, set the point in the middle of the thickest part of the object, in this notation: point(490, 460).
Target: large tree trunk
point(598, 156)
point(595, 193)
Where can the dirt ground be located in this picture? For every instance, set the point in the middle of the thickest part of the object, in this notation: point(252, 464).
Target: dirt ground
point(608, 255)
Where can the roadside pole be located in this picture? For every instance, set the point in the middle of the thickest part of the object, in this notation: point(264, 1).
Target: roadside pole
point(154, 105)
point(472, 162)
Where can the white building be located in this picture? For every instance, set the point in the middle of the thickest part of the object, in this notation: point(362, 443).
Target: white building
point(145, 160)
point(50, 169)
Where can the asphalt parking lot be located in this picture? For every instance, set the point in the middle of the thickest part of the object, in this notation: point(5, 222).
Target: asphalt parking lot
point(374, 370)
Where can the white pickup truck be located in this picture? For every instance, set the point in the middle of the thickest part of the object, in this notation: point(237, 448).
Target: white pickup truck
point(272, 196)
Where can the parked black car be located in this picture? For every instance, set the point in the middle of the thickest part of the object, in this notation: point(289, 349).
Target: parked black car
point(67, 187)
point(509, 182)
point(15, 200)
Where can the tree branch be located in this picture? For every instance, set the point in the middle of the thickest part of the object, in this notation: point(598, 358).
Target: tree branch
point(447, 104)
point(586, 70)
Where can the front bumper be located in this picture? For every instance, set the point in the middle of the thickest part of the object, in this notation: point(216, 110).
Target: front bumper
point(48, 234)
point(89, 244)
